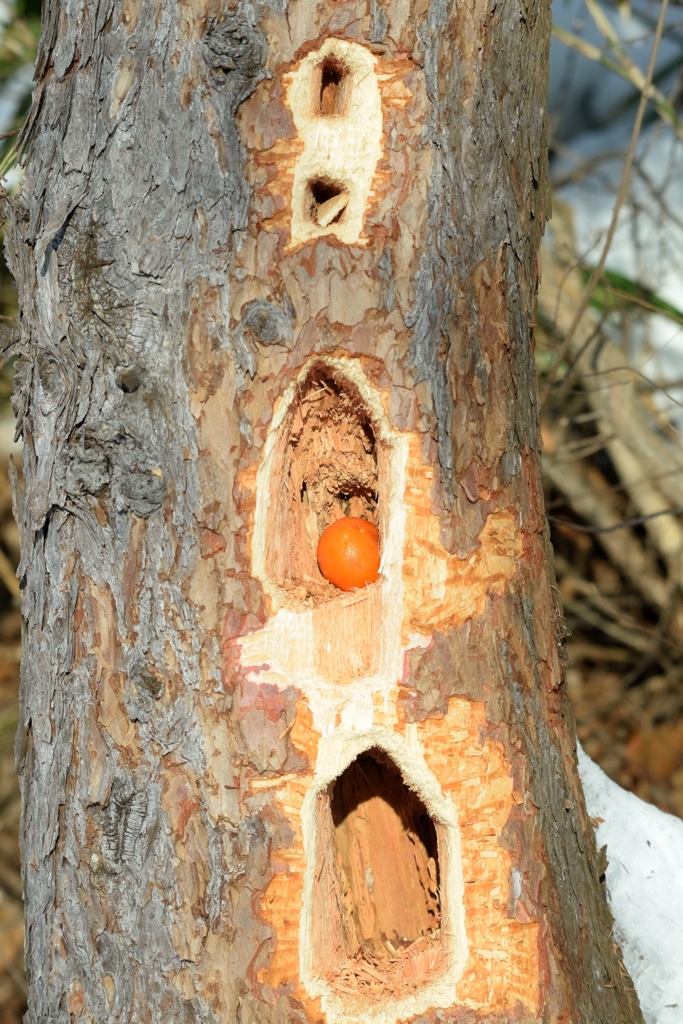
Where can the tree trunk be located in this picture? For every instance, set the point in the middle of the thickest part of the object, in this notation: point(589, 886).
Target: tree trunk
point(277, 266)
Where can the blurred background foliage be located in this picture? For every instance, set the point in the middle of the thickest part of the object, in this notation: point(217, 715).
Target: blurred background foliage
point(611, 382)
point(609, 348)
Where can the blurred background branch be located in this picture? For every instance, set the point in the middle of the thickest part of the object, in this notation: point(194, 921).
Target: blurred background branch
point(609, 340)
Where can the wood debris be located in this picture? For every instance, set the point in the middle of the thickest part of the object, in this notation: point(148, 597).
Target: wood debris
point(379, 892)
point(369, 973)
point(328, 211)
point(327, 470)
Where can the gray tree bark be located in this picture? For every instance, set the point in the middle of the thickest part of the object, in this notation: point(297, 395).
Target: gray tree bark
point(190, 685)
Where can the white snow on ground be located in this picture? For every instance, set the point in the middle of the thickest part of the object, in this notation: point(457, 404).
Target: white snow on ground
point(645, 890)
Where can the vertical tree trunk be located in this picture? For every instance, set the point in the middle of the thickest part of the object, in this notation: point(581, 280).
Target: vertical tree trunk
point(277, 266)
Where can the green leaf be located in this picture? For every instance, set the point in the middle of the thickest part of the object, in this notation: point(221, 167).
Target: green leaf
point(615, 290)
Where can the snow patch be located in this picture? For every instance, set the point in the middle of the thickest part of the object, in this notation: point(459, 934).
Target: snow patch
point(644, 889)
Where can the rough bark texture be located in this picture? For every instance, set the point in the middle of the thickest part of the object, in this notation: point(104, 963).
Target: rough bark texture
point(174, 715)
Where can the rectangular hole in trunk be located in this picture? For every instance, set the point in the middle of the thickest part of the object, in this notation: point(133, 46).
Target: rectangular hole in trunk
point(378, 916)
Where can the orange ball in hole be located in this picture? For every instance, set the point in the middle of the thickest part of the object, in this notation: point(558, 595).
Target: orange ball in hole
point(348, 553)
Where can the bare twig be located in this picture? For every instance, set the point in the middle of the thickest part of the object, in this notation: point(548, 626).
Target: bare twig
point(637, 521)
point(621, 196)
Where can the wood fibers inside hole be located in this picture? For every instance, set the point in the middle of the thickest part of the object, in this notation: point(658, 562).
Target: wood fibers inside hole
point(381, 881)
point(327, 468)
point(327, 202)
point(331, 81)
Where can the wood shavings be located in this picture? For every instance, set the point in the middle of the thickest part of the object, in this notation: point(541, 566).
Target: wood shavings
point(327, 470)
point(378, 893)
point(328, 211)
point(368, 974)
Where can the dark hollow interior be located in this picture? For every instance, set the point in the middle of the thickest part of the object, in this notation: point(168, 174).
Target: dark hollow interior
point(332, 76)
point(327, 468)
point(321, 191)
point(387, 858)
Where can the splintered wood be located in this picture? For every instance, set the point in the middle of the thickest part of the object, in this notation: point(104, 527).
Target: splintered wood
point(326, 469)
point(330, 81)
point(367, 974)
point(379, 912)
point(335, 102)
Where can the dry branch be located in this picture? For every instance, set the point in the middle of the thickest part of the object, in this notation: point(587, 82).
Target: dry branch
point(613, 462)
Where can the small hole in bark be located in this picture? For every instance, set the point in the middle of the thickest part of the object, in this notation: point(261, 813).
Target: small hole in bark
point(378, 913)
point(327, 468)
point(129, 380)
point(331, 82)
point(327, 201)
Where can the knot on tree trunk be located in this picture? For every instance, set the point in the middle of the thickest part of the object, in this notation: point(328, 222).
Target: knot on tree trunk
point(106, 457)
point(236, 52)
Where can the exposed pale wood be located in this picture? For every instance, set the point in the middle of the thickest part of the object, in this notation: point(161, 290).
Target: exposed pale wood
point(387, 858)
point(376, 897)
point(342, 147)
point(329, 211)
point(325, 467)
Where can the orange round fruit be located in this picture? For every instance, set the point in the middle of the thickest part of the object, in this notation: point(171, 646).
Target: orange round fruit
point(348, 553)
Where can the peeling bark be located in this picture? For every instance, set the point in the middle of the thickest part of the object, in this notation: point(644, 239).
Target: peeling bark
point(185, 713)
